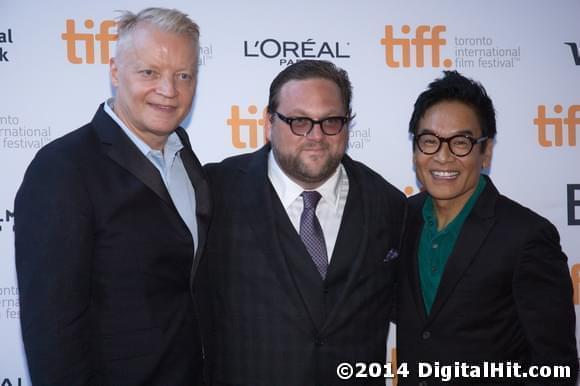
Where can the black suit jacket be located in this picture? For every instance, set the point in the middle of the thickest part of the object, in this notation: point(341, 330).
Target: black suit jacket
point(104, 264)
point(505, 294)
point(274, 321)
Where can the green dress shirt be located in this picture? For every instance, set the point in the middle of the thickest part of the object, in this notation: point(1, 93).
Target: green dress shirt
point(435, 246)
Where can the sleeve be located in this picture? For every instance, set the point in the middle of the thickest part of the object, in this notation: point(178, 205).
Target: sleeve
point(53, 250)
point(544, 300)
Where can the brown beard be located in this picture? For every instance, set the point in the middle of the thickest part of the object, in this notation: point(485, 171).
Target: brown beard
point(298, 171)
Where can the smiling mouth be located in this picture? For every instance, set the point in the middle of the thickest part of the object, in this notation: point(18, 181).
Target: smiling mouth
point(163, 108)
point(444, 175)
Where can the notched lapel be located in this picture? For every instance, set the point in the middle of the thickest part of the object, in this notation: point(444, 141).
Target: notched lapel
point(124, 152)
point(474, 232)
point(202, 194)
point(259, 210)
point(361, 195)
point(414, 228)
point(257, 202)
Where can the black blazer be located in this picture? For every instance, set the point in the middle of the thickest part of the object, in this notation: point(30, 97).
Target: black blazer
point(274, 321)
point(105, 263)
point(505, 294)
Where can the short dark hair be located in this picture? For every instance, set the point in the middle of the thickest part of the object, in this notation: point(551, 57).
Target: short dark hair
point(455, 87)
point(309, 69)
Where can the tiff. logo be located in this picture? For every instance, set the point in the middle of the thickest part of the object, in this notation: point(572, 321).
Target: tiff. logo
point(425, 36)
point(575, 55)
point(104, 37)
point(557, 139)
point(242, 139)
point(575, 274)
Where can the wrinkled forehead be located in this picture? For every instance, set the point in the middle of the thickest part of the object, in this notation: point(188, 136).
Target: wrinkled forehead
point(147, 35)
point(148, 44)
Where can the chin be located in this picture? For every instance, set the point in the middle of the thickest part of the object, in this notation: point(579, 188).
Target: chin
point(164, 129)
point(438, 193)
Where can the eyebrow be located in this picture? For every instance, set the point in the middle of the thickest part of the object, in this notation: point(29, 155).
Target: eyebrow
point(460, 132)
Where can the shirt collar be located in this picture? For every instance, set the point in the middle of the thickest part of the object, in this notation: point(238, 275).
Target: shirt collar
point(455, 225)
point(288, 191)
point(172, 146)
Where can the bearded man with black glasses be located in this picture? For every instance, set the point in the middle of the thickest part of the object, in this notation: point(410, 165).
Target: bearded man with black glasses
point(301, 251)
point(484, 288)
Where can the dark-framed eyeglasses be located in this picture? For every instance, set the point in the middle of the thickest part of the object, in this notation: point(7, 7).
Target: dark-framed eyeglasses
point(460, 145)
point(302, 126)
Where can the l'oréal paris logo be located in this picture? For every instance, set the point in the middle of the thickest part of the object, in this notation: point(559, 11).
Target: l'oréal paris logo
point(287, 52)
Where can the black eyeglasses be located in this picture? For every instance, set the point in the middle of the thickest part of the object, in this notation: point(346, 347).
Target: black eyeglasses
point(460, 145)
point(302, 126)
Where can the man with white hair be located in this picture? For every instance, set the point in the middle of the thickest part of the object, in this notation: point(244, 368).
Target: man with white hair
point(112, 219)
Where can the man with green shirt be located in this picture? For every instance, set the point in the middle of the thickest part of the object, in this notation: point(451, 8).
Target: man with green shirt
point(484, 289)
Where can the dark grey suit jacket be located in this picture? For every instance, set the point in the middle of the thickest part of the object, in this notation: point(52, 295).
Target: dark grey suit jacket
point(105, 264)
point(274, 320)
point(505, 294)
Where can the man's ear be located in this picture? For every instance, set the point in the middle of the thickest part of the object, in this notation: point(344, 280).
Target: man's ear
point(488, 153)
point(268, 126)
point(114, 72)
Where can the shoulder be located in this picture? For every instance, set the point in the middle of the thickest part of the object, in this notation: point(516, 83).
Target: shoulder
point(512, 220)
point(237, 162)
point(370, 180)
point(416, 201)
point(517, 216)
point(233, 170)
point(71, 148)
point(229, 165)
point(58, 171)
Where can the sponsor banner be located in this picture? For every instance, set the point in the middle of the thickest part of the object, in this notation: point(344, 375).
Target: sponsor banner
point(286, 51)
point(557, 127)
point(6, 39)
point(428, 46)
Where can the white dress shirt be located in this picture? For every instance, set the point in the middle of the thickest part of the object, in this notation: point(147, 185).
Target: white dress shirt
point(330, 207)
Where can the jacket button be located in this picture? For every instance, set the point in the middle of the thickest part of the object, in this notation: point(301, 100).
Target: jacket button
point(319, 342)
point(426, 335)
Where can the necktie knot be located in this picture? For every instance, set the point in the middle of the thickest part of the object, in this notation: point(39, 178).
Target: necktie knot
point(311, 199)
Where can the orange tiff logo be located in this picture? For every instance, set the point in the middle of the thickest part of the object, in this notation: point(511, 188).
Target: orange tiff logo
point(245, 131)
point(575, 274)
point(398, 49)
point(86, 41)
point(556, 137)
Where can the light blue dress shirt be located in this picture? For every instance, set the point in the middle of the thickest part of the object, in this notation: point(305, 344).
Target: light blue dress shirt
point(172, 171)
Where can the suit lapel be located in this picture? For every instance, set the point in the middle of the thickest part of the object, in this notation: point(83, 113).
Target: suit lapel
point(202, 194)
point(355, 262)
point(348, 239)
point(472, 235)
point(124, 152)
point(259, 205)
point(414, 228)
point(120, 149)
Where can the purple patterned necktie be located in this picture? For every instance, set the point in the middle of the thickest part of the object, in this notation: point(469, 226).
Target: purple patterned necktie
point(311, 232)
